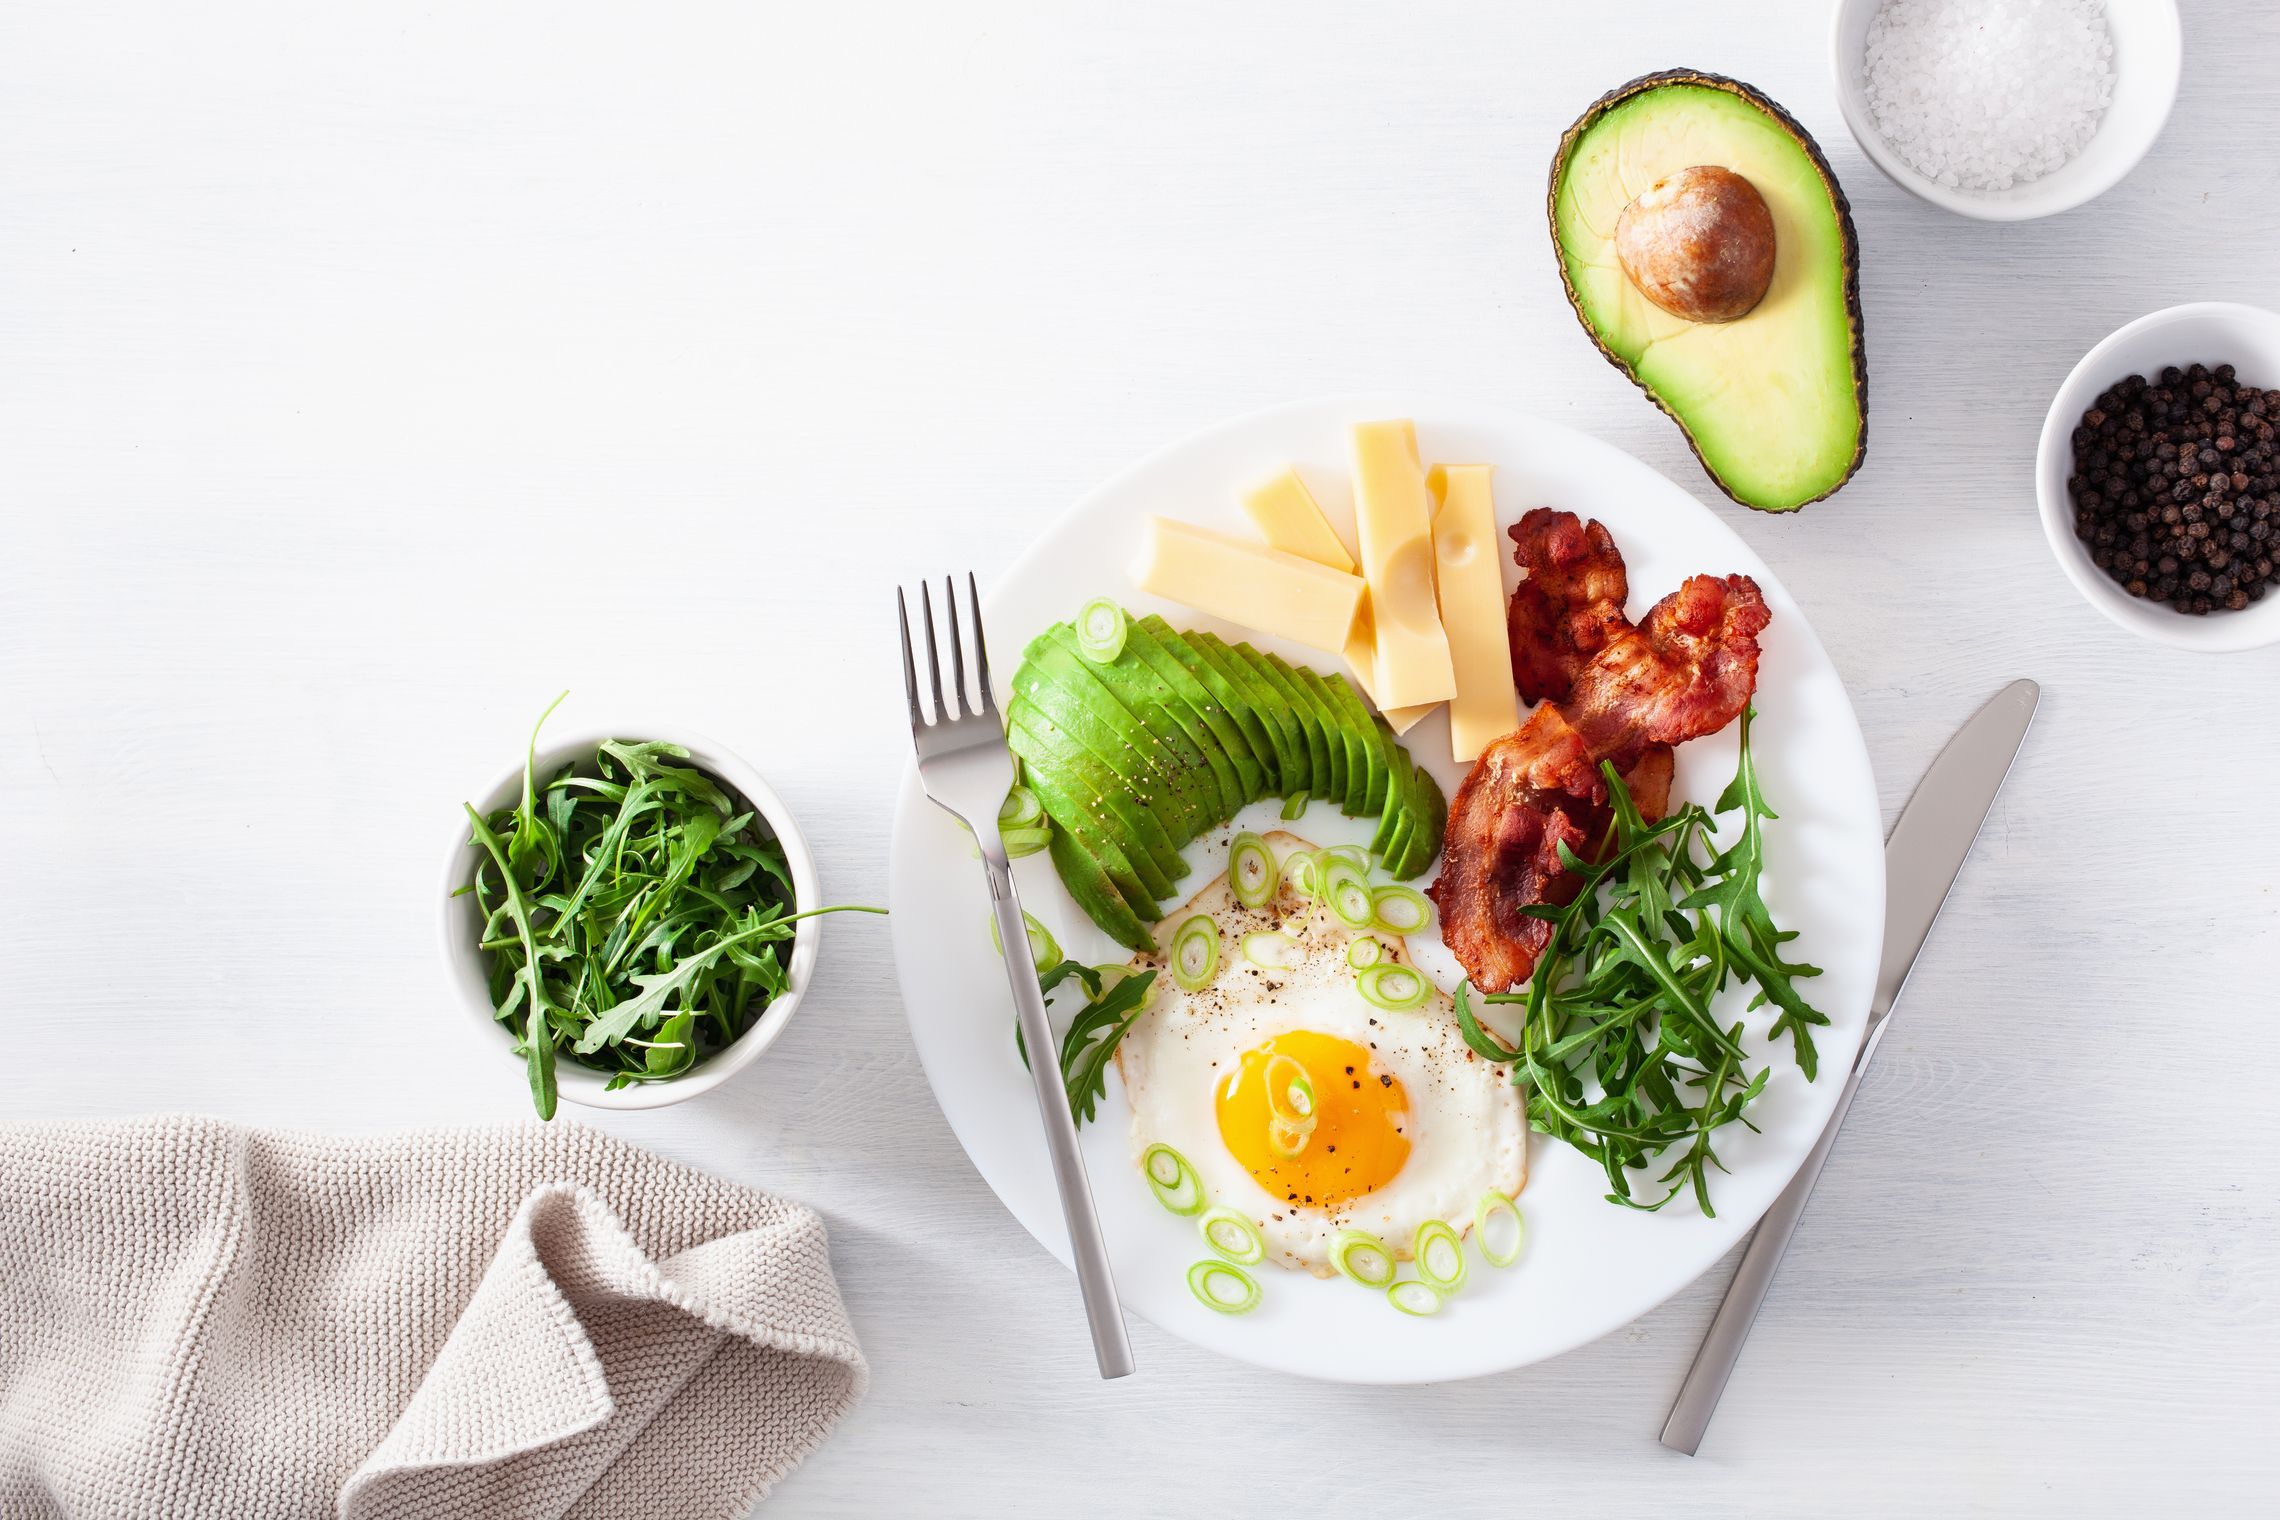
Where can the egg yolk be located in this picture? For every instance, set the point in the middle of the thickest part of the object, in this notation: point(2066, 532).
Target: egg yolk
point(1361, 1121)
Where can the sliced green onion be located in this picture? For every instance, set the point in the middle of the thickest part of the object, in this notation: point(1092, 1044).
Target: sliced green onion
point(1043, 948)
point(1440, 1254)
point(1290, 1091)
point(1172, 1180)
point(1366, 951)
point(1100, 631)
point(1251, 871)
point(1361, 1256)
point(1347, 891)
point(1223, 1287)
point(1294, 808)
point(1020, 810)
point(1233, 1236)
point(1397, 989)
point(1413, 1297)
point(1304, 873)
point(1271, 948)
point(1195, 952)
point(1496, 1219)
point(1353, 852)
point(1287, 1137)
point(1400, 910)
point(1020, 842)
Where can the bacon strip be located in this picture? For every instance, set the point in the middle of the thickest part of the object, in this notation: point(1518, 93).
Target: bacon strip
point(1688, 670)
point(1570, 604)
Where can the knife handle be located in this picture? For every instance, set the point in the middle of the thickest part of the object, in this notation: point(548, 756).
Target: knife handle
point(1722, 1346)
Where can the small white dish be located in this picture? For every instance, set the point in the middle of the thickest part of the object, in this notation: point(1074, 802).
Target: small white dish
point(2148, 56)
point(2203, 332)
point(463, 961)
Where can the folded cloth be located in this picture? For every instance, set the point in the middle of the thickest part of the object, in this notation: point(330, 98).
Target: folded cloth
point(198, 1320)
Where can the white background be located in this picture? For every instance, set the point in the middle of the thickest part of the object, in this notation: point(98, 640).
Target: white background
point(369, 374)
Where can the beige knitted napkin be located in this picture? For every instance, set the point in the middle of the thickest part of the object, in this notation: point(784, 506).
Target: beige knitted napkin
point(530, 1321)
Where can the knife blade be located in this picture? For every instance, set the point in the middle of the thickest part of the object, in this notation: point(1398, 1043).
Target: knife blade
point(1922, 857)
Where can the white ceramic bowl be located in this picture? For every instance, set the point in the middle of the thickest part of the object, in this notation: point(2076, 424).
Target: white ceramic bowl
point(463, 962)
point(2205, 332)
point(2148, 53)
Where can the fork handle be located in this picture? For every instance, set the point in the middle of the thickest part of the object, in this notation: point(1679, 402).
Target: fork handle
point(1111, 1347)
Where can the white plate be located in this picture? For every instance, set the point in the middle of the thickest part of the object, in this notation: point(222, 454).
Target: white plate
point(1589, 1265)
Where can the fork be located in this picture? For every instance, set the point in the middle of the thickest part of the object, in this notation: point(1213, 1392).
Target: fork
point(966, 770)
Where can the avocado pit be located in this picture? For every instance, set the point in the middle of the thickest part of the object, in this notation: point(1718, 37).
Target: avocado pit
point(1699, 244)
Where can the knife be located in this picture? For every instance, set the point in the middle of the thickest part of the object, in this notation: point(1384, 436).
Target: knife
point(1921, 858)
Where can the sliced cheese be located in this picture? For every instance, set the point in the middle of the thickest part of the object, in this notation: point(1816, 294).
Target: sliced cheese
point(1469, 575)
point(1249, 584)
point(1393, 520)
point(1292, 521)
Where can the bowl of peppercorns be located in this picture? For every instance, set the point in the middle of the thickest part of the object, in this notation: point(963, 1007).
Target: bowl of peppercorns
point(2159, 476)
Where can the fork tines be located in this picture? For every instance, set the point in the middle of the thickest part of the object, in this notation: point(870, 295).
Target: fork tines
point(965, 707)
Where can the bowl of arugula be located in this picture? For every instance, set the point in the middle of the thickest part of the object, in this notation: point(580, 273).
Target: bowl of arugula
point(630, 914)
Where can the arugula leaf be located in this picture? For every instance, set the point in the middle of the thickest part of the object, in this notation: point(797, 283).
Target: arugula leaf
point(1100, 1026)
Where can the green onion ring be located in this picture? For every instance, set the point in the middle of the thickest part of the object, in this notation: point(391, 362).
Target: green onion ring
point(1440, 1254)
point(1110, 975)
point(1366, 951)
point(1287, 1138)
point(1021, 842)
point(1043, 948)
point(1347, 892)
point(1223, 1287)
point(1100, 631)
point(1397, 989)
point(1271, 949)
point(1290, 1091)
point(1251, 871)
point(1020, 810)
point(1172, 1180)
point(1411, 1296)
point(1304, 873)
point(1233, 1236)
point(1353, 852)
point(1494, 1205)
point(1195, 952)
point(1362, 1257)
point(1412, 911)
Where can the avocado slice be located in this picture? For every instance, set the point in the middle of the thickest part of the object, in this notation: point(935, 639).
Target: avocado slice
point(1329, 782)
point(1235, 708)
point(1082, 875)
point(1292, 768)
point(1115, 829)
point(1181, 736)
point(1278, 696)
point(1774, 402)
point(1063, 685)
point(1368, 776)
point(1205, 712)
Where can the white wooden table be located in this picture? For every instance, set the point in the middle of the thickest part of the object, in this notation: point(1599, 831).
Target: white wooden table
point(369, 374)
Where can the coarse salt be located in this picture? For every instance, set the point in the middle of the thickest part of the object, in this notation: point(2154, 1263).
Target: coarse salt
point(1988, 94)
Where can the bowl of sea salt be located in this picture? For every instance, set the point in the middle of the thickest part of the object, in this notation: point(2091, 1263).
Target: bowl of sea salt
point(2006, 110)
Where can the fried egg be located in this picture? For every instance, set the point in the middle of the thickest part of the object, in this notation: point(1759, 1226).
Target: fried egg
point(1404, 1123)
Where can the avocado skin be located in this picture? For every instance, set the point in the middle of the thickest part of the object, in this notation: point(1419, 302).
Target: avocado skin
point(1848, 237)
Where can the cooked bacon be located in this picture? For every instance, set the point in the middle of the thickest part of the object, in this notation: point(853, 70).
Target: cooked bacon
point(1688, 670)
point(1570, 604)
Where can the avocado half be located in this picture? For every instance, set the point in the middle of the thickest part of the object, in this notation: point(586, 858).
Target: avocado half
point(1775, 404)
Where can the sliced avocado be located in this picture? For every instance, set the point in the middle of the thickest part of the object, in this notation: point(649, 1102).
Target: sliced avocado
point(1278, 696)
point(1063, 685)
point(1316, 711)
point(1351, 746)
point(1775, 401)
point(1082, 875)
point(1393, 825)
point(1092, 718)
point(1368, 776)
point(1204, 710)
point(1181, 735)
point(1235, 709)
point(1065, 778)
point(1292, 767)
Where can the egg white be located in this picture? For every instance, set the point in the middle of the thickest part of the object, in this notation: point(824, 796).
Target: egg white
point(1466, 1127)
